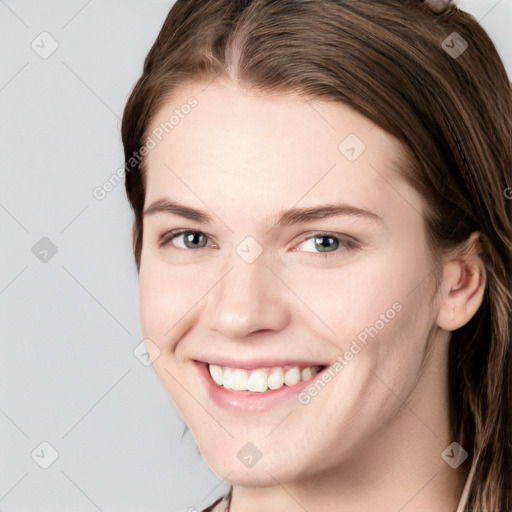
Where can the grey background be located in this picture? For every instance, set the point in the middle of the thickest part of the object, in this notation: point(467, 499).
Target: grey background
point(69, 324)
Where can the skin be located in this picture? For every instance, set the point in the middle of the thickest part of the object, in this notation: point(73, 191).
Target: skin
point(373, 438)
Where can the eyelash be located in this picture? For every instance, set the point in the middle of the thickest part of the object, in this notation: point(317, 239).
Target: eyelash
point(349, 244)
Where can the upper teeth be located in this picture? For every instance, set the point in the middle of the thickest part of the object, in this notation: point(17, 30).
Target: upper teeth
point(259, 380)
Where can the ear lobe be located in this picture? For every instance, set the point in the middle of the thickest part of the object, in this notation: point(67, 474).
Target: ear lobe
point(463, 286)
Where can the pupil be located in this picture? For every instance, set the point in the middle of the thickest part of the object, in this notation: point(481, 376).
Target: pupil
point(321, 245)
point(191, 237)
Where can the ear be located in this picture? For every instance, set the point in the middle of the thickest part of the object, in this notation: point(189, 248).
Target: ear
point(463, 285)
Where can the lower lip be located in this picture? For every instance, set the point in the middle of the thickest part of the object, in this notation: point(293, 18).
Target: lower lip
point(248, 401)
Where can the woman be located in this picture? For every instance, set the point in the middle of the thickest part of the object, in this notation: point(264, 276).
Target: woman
point(323, 238)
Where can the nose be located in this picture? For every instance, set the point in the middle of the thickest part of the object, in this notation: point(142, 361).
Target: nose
point(248, 299)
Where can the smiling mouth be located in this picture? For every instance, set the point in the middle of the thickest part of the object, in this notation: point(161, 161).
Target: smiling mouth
point(261, 380)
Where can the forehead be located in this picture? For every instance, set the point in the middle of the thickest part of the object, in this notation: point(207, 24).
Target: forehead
point(222, 114)
point(251, 148)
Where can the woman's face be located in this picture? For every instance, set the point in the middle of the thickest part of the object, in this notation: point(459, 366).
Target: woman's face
point(263, 282)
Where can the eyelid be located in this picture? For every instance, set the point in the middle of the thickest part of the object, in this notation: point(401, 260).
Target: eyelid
point(349, 242)
point(333, 234)
point(168, 236)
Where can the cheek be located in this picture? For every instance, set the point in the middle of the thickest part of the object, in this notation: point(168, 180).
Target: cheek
point(346, 301)
point(376, 315)
point(151, 300)
point(165, 297)
point(394, 318)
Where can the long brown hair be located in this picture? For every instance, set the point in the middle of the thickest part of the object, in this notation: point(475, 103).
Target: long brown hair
point(393, 61)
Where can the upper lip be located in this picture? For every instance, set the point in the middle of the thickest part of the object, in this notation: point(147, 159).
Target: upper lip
point(256, 362)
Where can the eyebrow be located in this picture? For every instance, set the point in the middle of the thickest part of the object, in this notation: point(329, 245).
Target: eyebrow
point(287, 217)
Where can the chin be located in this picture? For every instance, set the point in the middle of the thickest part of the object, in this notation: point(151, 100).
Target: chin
point(263, 473)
